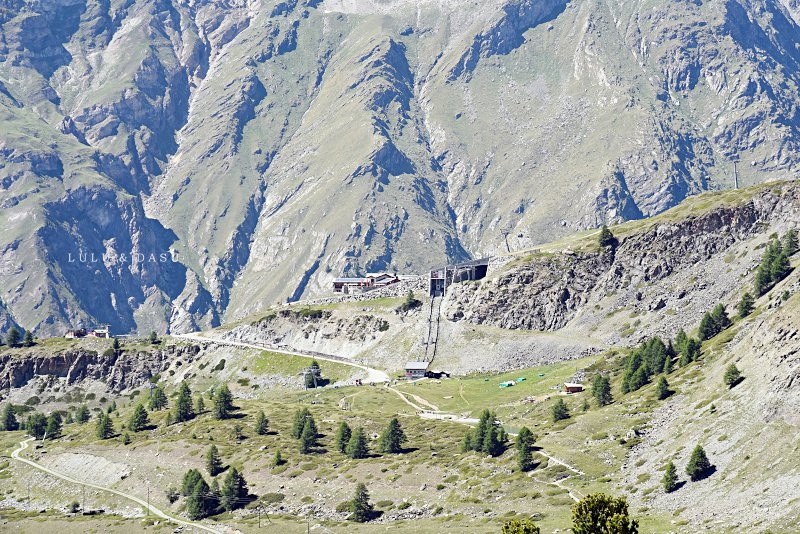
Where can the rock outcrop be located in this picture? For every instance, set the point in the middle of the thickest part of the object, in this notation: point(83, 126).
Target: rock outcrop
point(548, 291)
point(118, 370)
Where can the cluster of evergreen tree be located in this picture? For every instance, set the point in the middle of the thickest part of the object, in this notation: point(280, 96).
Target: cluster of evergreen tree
point(304, 428)
point(688, 349)
point(15, 338)
point(9, 418)
point(82, 414)
point(698, 468)
point(649, 359)
point(203, 500)
point(775, 264)
point(37, 424)
point(157, 399)
point(104, 427)
point(714, 322)
point(488, 437)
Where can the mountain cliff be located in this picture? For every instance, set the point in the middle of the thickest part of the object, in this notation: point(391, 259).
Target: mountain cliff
point(170, 164)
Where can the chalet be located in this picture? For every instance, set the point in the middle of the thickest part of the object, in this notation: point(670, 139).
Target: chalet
point(75, 334)
point(103, 332)
point(571, 387)
point(417, 369)
point(351, 285)
point(382, 279)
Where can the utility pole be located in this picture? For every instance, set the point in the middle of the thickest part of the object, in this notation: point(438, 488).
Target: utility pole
point(735, 176)
point(83, 504)
point(148, 499)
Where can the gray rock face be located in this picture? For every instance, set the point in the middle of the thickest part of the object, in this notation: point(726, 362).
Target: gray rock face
point(550, 290)
point(119, 371)
point(269, 147)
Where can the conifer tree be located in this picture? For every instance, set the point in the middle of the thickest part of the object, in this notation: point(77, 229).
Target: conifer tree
point(708, 327)
point(699, 465)
point(763, 281)
point(493, 443)
point(53, 429)
point(721, 319)
point(360, 507)
point(392, 438)
point(790, 243)
point(214, 497)
point(13, 337)
point(82, 414)
point(343, 436)
point(183, 404)
point(601, 390)
point(104, 427)
point(36, 425)
point(223, 402)
point(190, 479)
point(278, 459)
point(692, 352)
point(560, 411)
point(357, 447)
point(779, 268)
point(126, 438)
point(200, 405)
point(670, 479)
point(299, 422)
point(158, 400)
point(606, 238)
point(485, 422)
point(197, 499)
point(732, 375)
point(662, 388)
point(27, 339)
point(234, 490)
point(9, 418)
point(262, 424)
point(525, 441)
point(139, 419)
point(746, 305)
point(681, 339)
point(308, 438)
point(213, 461)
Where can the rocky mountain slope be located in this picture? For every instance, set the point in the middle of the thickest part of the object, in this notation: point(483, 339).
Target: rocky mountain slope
point(260, 148)
point(562, 300)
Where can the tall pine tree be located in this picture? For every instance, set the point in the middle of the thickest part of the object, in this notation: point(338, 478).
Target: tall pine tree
point(223, 403)
point(184, 410)
point(392, 438)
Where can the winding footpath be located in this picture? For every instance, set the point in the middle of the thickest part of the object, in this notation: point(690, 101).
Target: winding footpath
point(152, 509)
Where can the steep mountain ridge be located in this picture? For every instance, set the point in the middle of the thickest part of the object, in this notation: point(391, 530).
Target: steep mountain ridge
point(270, 146)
